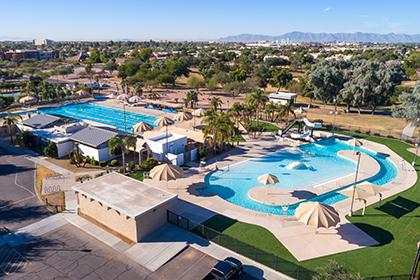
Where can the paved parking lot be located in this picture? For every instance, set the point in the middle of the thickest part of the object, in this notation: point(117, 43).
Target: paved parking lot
point(68, 253)
point(19, 205)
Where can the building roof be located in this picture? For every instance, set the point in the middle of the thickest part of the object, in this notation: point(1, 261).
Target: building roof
point(93, 136)
point(166, 138)
point(124, 194)
point(40, 120)
point(196, 135)
point(283, 95)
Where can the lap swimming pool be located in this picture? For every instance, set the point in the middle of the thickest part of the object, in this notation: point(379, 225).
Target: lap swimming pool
point(100, 114)
point(323, 162)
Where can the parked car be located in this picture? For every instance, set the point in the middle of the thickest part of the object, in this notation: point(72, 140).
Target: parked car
point(226, 269)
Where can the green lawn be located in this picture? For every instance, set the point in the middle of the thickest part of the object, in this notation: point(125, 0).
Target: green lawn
point(266, 126)
point(138, 175)
point(396, 225)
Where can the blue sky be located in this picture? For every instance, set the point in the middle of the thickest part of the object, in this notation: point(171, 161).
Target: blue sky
point(200, 19)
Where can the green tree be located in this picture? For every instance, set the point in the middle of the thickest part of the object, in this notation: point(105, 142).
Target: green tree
point(281, 78)
point(257, 99)
point(333, 271)
point(118, 145)
point(215, 103)
point(191, 98)
point(51, 150)
point(409, 108)
point(10, 121)
point(195, 82)
point(219, 128)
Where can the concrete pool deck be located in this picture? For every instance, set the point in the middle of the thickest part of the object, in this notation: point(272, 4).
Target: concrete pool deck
point(302, 241)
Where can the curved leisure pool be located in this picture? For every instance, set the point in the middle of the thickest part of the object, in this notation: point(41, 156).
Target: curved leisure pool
point(233, 183)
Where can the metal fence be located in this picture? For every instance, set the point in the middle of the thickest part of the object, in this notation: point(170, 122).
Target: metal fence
point(275, 262)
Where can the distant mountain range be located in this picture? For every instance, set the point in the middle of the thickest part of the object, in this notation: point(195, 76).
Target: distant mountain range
point(307, 37)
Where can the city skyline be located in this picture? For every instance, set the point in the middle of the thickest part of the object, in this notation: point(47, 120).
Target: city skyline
point(205, 20)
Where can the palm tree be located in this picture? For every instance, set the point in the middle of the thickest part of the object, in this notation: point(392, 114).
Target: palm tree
point(258, 99)
point(236, 111)
point(191, 98)
point(218, 127)
point(215, 103)
point(117, 144)
point(130, 142)
point(10, 121)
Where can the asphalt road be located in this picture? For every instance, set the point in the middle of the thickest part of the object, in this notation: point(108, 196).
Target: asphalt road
point(19, 205)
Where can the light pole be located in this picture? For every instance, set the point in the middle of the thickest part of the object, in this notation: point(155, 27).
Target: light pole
point(335, 113)
point(355, 181)
point(415, 154)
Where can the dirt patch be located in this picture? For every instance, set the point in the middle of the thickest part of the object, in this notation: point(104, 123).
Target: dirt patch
point(55, 201)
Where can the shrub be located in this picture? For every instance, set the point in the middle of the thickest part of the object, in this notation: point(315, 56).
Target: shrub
point(131, 165)
point(332, 271)
point(99, 175)
point(51, 150)
point(114, 162)
point(121, 170)
point(149, 163)
point(93, 162)
point(72, 161)
point(201, 152)
point(83, 178)
point(102, 163)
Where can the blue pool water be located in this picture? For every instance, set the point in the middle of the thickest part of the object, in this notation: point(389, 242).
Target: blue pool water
point(100, 114)
point(234, 183)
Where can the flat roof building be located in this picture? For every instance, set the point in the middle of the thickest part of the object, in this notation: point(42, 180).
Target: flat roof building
point(282, 97)
point(126, 207)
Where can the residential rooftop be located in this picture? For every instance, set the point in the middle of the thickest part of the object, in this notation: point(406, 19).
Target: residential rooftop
point(124, 194)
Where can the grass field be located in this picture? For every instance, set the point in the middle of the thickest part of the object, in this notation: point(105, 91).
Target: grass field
point(395, 225)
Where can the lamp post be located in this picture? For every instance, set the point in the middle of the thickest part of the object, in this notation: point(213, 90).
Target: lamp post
point(355, 181)
point(335, 113)
point(415, 154)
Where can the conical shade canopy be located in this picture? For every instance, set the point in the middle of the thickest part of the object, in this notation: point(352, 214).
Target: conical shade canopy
point(134, 99)
point(163, 121)
point(198, 112)
point(123, 97)
point(358, 193)
point(183, 116)
point(371, 189)
point(142, 127)
point(27, 99)
point(166, 172)
point(355, 142)
point(317, 214)
point(268, 179)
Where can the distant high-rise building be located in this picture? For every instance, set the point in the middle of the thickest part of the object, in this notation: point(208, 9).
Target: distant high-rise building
point(43, 42)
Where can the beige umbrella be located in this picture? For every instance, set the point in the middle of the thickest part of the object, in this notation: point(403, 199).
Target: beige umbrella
point(142, 127)
point(317, 214)
point(27, 99)
point(183, 116)
point(166, 172)
point(370, 188)
point(355, 142)
point(163, 121)
point(123, 97)
point(134, 99)
point(358, 194)
point(198, 113)
point(268, 179)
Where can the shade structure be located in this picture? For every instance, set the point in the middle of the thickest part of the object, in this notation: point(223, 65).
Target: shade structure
point(370, 188)
point(300, 110)
point(163, 121)
point(142, 127)
point(166, 172)
point(123, 97)
point(27, 99)
point(358, 193)
point(317, 214)
point(198, 113)
point(355, 142)
point(82, 92)
point(268, 179)
point(134, 99)
point(183, 116)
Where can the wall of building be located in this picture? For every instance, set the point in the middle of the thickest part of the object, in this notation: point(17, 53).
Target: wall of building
point(153, 219)
point(109, 217)
point(97, 154)
point(64, 148)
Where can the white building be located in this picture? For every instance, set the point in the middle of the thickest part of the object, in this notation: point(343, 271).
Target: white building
point(173, 147)
point(126, 207)
point(43, 42)
point(93, 142)
point(283, 98)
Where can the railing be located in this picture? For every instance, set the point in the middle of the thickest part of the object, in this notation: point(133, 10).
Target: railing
point(275, 262)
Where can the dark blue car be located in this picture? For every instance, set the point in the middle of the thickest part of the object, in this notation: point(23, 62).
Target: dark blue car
point(225, 269)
